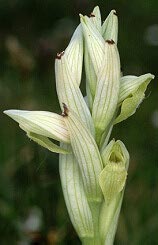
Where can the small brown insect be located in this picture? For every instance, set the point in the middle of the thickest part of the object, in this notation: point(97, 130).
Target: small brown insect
point(65, 112)
point(110, 41)
point(92, 15)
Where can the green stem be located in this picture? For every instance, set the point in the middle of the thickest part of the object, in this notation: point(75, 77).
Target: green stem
point(95, 209)
point(109, 219)
point(89, 241)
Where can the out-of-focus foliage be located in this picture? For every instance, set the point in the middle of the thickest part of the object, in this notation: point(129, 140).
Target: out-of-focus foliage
point(32, 208)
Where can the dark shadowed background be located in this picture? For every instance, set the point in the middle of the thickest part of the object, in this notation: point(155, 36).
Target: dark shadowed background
point(32, 209)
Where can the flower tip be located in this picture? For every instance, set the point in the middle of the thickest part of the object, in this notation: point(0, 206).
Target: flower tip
point(114, 12)
point(14, 114)
point(6, 112)
point(149, 76)
point(96, 7)
point(10, 113)
point(81, 16)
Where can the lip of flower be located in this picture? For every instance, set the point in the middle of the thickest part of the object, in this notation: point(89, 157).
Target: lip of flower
point(129, 84)
point(44, 123)
point(132, 93)
point(112, 179)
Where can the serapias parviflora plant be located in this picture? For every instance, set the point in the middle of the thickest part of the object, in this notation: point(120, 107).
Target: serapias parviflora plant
point(93, 169)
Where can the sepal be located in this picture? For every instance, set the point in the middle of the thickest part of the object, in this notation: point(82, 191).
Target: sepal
point(68, 91)
point(91, 76)
point(95, 17)
point(74, 194)
point(129, 84)
point(107, 90)
point(44, 123)
point(74, 54)
point(94, 42)
point(87, 155)
point(110, 27)
point(91, 79)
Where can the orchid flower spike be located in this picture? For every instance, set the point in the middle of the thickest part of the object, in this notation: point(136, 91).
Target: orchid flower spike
point(93, 171)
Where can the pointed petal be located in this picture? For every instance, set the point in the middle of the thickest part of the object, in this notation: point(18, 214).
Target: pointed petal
point(74, 194)
point(74, 54)
point(134, 99)
point(43, 123)
point(129, 84)
point(96, 18)
point(91, 77)
point(110, 27)
point(94, 50)
point(69, 92)
point(94, 42)
point(87, 155)
point(46, 143)
point(107, 90)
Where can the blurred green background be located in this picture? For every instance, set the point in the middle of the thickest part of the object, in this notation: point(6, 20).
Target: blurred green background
point(32, 209)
